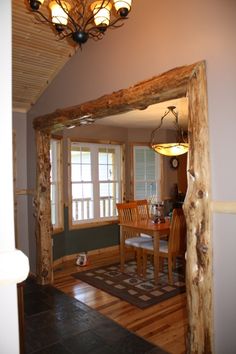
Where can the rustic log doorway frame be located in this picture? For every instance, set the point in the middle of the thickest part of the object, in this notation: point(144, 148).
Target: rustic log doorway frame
point(183, 81)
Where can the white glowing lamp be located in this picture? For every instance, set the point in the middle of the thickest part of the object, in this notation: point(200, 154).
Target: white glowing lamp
point(122, 7)
point(59, 13)
point(101, 11)
point(14, 267)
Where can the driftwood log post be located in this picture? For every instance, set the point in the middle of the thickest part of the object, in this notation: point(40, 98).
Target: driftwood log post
point(42, 203)
point(198, 218)
point(184, 81)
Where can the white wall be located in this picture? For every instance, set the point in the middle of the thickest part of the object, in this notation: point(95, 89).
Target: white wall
point(225, 282)
point(9, 338)
point(22, 230)
point(161, 35)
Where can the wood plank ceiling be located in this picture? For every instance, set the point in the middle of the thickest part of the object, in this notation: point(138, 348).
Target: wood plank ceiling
point(37, 56)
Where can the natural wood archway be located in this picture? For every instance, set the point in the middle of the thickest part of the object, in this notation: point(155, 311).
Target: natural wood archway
point(187, 81)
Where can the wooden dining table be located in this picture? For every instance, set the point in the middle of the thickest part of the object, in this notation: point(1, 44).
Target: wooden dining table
point(147, 227)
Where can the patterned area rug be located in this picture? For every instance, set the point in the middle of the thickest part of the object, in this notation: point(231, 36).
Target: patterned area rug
point(129, 287)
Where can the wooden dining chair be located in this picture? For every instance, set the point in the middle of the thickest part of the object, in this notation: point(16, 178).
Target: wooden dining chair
point(128, 212)
point(143, 213)
point(143, 209)
point(174, 247)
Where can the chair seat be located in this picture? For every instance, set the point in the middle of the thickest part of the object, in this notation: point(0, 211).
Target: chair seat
point(163, 246)
point(148, 245)
point(147, 236)
point(136, 241)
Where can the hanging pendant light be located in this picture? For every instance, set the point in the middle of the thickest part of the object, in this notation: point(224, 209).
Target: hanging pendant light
point(80, 20)
point(179, 147)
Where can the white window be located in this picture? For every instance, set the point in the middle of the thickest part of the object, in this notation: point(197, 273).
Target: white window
point(95, 171)
point(56, 183)
point(147, 173)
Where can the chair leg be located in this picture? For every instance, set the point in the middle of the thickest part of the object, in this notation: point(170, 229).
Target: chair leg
point(170, 271)
point(144, 270)
point(174, 262)
point(139, 260)
point(122, 257)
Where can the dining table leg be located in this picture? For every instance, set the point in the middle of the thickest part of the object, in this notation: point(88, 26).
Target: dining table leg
point(156, 244)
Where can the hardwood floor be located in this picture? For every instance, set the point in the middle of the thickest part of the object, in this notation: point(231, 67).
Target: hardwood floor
point(164, 324)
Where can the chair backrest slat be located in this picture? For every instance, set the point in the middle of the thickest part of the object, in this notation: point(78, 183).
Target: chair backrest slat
point(133, 211)
point(143, 209)
point(127, 211)
point(177, 236)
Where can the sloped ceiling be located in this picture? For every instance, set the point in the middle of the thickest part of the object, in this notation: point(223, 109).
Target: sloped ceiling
point(37, 56)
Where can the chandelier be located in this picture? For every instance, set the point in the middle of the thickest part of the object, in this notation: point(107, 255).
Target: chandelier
point(172, 148)
point(81, 19)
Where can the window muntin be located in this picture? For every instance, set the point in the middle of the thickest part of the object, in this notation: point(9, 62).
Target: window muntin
point(147, 173)
point(56, 183)
point(95, 181)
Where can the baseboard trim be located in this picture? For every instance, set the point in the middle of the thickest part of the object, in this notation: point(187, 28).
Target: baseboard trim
point(72, 257)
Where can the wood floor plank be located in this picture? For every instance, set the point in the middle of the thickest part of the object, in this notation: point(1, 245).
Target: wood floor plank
point(164, 324)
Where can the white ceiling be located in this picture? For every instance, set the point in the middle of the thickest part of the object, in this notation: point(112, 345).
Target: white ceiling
point(150, 117)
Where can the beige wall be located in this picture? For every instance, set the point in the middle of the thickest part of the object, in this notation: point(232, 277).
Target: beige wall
point(161, 35)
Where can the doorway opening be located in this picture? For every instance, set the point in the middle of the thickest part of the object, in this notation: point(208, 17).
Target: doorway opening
point(188, 81)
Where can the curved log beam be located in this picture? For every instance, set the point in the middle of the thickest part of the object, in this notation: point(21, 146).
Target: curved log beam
point(172, 84)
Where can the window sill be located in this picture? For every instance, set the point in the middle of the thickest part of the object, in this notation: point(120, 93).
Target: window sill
point(57, 230)
point(91, 224)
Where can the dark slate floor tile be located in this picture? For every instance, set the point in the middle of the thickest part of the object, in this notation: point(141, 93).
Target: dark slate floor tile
point(132, 344)
point(32, 307)
point(42, 338)
point(102, 350)
point(57, 323)
point(57, 348)
point(70, 327)
point(36, 296)
point(111, 332)
point(40, 320)
point(56, 302)
point(63, 312)
point(27, 347)
point(50, 290)
point(157, 350)
point(84, 343)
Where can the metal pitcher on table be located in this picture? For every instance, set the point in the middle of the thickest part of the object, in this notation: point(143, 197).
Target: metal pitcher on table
point(157, 212)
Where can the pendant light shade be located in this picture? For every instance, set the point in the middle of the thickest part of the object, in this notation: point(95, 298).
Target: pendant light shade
point(171, 149)
point(101, 11)
point(59, 13)
point(123, 7)
point(179, 147)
